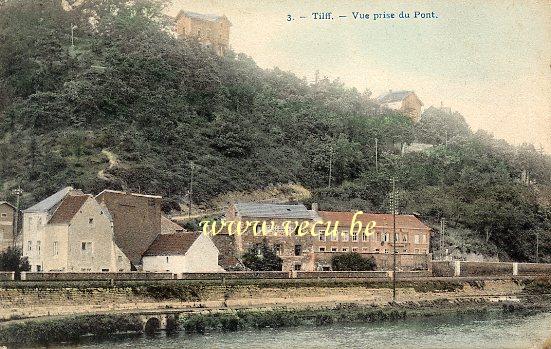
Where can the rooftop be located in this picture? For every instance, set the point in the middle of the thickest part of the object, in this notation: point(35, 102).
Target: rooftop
point(381, 219)
point(128, 193)
point(201, 16)
point(171, 244)
point(393, 96)
point(68, 208)
point(260, 210)
point(50, 202)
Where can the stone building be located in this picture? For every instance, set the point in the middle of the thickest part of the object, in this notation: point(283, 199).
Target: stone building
point(311, 252)
point(406, 102)
point(182, 253)
point(412, 239)
point(210, 30)
point(70, 231)
point(296, 252)
point(7, 216)
point(136, 221)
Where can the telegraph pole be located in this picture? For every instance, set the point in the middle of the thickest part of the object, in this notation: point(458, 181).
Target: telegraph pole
point(442, 231)
point(330, 165)
point(376, 154)
point(537, 247)
point(18, 192)
point(394, 206)
point(190, 194)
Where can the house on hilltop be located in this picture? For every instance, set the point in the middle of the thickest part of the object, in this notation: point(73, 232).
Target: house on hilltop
point(210, 30)
point(406, 102)
point(71, 231)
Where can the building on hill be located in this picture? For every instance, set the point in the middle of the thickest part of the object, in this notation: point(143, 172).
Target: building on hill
point(210, 30)
point(182, 253)
point(7, 220)
point(170, 227)
point(70, 231)
point(406, 102)
point(136, 221)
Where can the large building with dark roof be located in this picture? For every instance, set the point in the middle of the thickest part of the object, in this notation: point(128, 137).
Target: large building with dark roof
point(70, 231)
point(405, 102)
point(209, 30)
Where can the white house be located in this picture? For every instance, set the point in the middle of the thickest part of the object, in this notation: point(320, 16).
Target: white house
point(182, 253)
point(71, 231)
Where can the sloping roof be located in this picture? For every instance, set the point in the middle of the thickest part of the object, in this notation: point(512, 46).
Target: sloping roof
point(133, 194)
point(171, 244)
point(258, 210)
point(6, 203)
point(393, 96)
point(201, 16)
point(169, 227)
point(68, 208)
point(47, 204)
point(381, 219)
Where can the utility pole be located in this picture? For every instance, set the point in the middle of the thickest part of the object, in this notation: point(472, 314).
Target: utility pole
point(73, 27)
point(442, 231)
point(330, 165)
point(394, 206)
point(376, 154)
point(190, 194)
point(18, 192)
point(537, 247)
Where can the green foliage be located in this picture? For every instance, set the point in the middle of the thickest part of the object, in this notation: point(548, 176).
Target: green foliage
point(262, 257)
point(159, 103)
point(352, 261)
point(67, 329)
point(12, 259)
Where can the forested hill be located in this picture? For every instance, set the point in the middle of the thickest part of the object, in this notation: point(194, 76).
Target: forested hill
point(131, 107)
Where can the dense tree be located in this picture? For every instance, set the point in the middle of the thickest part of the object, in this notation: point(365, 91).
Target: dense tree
point(262, 257)
point(13, 260)
point(352, 261)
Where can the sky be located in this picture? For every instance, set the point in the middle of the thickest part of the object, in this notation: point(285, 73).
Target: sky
point(489, 60)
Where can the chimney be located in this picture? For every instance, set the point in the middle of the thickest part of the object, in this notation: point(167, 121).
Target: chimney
point(315, 206)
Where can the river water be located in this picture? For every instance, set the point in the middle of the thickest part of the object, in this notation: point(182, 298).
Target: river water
point(494, 330)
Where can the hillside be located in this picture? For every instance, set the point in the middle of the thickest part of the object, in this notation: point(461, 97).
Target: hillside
point(130, 107)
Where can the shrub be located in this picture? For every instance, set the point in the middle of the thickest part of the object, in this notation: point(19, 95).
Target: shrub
point(353, 262)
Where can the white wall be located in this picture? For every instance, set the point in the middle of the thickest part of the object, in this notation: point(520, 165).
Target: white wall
point(202, 257)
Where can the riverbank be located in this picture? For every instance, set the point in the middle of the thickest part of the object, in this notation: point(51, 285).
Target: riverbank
point(73, 329)
point(57, 314)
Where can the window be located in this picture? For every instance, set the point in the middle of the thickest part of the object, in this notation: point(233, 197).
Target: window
point(4, 215)
point(386, 251)
point(298, 250)
point(387, 237)
point(298, 266)
point(56, 248)
point(334, 237)
point(90, 220)
point(406, 251)
point(86, 247)
point(167, 259)
point(119, 258)
point(354, 249)
point(397, 237)
point(345, 236)
point(364, 237)
point(38, 247)
point(322, 235)
point(105, 270)
point(416, 250)
point(376, 250)
point(30, 246)
point(405, 238)
point(365, 249)
point(322, 249)
point(416, 239)
point(278, 249)
point(39, 268)
point(355, 236)
point(345, 249)
point(333, 249)
point(424, 238)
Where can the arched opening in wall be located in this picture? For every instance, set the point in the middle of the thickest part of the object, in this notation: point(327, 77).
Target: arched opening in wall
point(172, 324)
point(152, 326)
